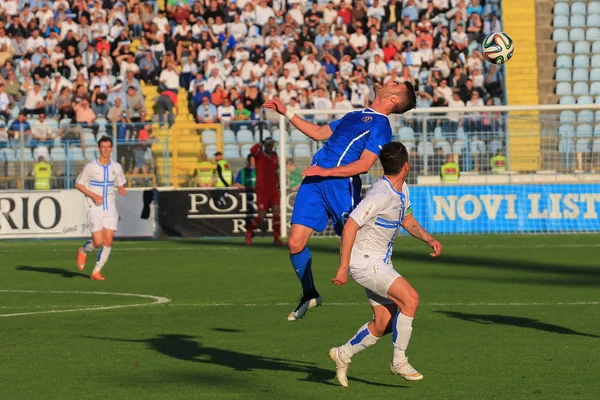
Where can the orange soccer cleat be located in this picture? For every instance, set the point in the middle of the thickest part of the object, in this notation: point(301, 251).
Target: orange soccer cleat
point(81, 256)
point(96, 276)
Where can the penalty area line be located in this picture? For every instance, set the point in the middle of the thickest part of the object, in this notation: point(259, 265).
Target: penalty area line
point(157, 300)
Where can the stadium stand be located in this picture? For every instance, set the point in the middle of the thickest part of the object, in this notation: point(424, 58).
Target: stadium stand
point(99, 68)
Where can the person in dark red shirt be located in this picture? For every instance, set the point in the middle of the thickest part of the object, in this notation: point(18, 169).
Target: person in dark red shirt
point(267, 191)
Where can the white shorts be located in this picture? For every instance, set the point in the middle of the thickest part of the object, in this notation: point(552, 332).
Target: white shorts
point(99, 219)
point(376, 277)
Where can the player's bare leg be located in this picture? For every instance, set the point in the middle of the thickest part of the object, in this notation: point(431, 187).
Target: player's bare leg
point(407, 299)
point(366, 336)
point(255, 224)
point(90, 245)
point(302, 263)
point(108, 235)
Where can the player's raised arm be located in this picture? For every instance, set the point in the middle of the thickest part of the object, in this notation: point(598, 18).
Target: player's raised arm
point(416, 230)
point(311, 130)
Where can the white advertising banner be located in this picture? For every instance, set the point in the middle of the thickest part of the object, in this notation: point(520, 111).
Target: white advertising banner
point(61, 214)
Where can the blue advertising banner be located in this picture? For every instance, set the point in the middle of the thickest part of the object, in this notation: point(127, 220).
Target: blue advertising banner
point(507, 208)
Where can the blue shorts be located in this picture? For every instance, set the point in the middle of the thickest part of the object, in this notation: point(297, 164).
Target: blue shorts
point(320, 199)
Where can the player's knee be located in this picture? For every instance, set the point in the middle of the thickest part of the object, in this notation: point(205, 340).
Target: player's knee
point(412, 302)
point(97, 242)
point(107, 242)
point(296, 244)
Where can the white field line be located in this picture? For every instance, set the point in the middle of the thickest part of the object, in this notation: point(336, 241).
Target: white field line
point(220, 248)
point(574, 303)
point(157, 300)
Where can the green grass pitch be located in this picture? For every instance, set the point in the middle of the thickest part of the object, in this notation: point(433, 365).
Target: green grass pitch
point(501, 317)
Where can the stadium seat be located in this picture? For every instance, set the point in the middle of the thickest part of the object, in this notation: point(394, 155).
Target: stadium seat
point(583, 145)
point(580, 75)
point(565, 145)
point(298, 137)
point(567, 100)
point(210, 149)
point(574, 35)
point(57, 154)
point(564, 62)
point(596, 47)
point(595, 88)
point(406, 133)
point(245, 150)
point(585, 116)
point(563, 75)
point(596, 146)
point(75, 153)
point(27, 154)
point(276, 134)
point(564, 48)
point(228, 136)
point(445, 146)
point(460, 133)
point(425, 149)
point(231, 151)
point(597, 130)
point(563, 88)
point(459, 146)
point(41, 151)
point(577, 8)
point(581, 61)
point(91, 153)
point(494, 146)
point(581, 47)
point(477, 146)
point(438, 134)
point(585, 100)
point(592, 34)
point(567, 117)
point(595, 75)
point(576, 21)
point(584, 130)
point(593, 20)
point(209, 136)
point(8, 154)
point(302, 150)
point(89, 139)
point(593, 7)
point(561, 9)
point(566, 130)
point(580, 88)
point(597, 99)
point(245, 136)
point(597, 116)
point(560, 21)
point(595, 61)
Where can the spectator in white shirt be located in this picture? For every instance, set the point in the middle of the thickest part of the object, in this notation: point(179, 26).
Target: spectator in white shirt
point(377, 68)
point(321, 102)
point(169, 78)
point(35, 41)
point(226, 111)
point(214, 80)
point(360, 92)
point(263, 13)
point(358, 41)
point(341, 103)
point(4, 103)
point(443, 90)
point(311, 65)
point(286, 94)
point(455, 118)
point(285, 79)
point(460, 37)
point(34, 101)
point(237, 28)
point(161, 22)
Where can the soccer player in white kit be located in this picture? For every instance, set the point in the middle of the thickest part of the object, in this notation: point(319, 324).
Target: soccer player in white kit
point(97, 182)
point(366, 253)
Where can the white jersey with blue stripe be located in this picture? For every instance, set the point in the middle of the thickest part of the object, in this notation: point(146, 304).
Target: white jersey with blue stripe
point(353, 133)
point(379, 216)
point(102, 180)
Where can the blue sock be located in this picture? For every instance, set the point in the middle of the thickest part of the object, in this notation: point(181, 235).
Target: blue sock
point(302, 265)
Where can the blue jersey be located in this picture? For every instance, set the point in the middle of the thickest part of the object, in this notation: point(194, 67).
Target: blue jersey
point(320, 199)
point(354, 132)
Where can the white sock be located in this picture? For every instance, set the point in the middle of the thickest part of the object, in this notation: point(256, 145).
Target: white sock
point(88, 246)
point(402, 330)
point(363, 339)
point(102, 258)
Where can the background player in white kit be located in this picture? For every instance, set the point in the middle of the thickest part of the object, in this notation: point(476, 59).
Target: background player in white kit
point(97, 182)
point(366, 252)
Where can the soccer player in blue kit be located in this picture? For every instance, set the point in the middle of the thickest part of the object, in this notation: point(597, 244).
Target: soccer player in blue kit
point(331, 187)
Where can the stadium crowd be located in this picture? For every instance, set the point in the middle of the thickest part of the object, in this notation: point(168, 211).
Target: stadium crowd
point(83, 62)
